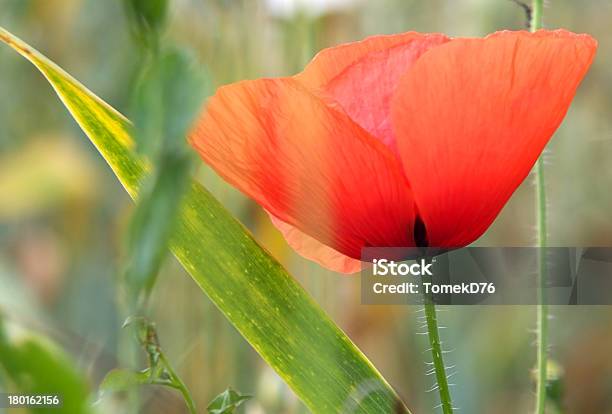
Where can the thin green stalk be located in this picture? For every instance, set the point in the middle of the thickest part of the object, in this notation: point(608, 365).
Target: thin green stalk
point(542, 307)
point(436, 352)
point(178, 384)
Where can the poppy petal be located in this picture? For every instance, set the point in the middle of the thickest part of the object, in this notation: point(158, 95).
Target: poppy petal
point(307, 163)
point(471, 118)
point(362, 76)
point(365, 88)
point(314, 250)
point(330, 62)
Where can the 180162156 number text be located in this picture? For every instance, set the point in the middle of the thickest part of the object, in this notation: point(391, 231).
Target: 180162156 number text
point(8, 400)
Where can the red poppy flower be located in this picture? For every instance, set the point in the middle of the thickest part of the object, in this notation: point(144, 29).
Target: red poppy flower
point(402, 140)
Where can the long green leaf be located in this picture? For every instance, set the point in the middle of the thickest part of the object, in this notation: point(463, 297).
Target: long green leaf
point(273, 312)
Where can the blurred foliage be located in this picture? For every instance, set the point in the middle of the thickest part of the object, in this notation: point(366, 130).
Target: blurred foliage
point(35, 366)
point(61, 221)
point(167, 97)
point(148, 18)
point(168, 92)
point(44, 183)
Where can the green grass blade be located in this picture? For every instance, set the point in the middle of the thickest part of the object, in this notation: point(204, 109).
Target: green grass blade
point(269, 308)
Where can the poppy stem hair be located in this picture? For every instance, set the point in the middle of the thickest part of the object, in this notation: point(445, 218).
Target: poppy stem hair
point(433, 332)
point(436, 352)
point(542, 307)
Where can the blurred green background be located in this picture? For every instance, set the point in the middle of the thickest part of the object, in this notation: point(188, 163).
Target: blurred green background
point(63, 214)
